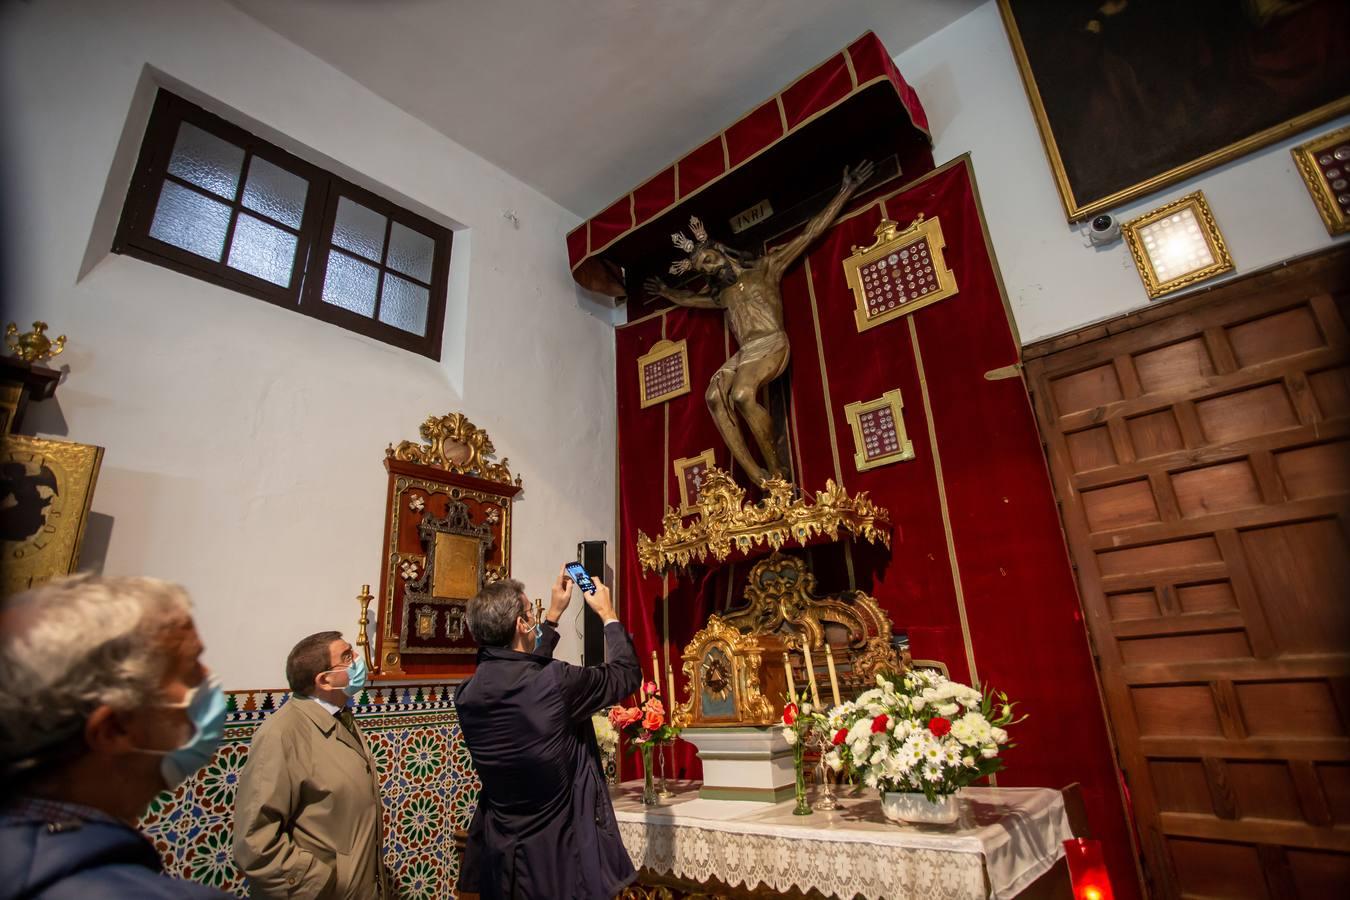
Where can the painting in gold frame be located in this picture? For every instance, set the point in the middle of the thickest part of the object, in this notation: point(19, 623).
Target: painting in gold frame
point(902, 271)
point(663, 372)
point(879, 436)
point(1324, 163)
point(1131, 97)
point(1147, 239)
point(46, 488)
point(689, 475)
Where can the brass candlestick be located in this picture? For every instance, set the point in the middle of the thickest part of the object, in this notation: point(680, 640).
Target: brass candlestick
point(33, 346)
point(362, 638)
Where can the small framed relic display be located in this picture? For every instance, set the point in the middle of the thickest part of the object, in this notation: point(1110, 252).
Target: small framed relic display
point(1324, 163)
point(902, 271)
point(1177, 245)
point(879, 431)
point(690, 475)
point(46, 488)
point(663, 373)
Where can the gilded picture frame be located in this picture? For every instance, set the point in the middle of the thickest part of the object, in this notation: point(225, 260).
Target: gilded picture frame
point(903, 449)
point(902, 271)
point(46, 489)
point(1317, 159)
point(688, 503)
point(658, 367)
point(1196, 204)
point(1130, 98)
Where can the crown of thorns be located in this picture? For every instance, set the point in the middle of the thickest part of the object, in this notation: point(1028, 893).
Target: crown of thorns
point(689, 246)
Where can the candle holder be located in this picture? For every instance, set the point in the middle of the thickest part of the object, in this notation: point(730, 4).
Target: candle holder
point(826, 801)
point(662, 789)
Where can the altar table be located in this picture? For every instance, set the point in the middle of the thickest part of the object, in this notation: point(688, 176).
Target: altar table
point(1006, 839)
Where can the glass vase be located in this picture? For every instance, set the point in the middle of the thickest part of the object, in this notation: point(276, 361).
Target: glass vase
point(649, 797)
point(803, 808)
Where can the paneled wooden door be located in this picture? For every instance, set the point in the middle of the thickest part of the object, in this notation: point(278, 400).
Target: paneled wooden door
point(1200, 451)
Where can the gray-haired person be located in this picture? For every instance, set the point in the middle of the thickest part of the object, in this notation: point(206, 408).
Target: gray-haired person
point(105, 703)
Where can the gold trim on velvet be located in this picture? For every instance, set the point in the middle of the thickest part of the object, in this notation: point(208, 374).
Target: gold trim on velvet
point(852, 72)
point(942, 504)
point(824, 373)
point(726, 520)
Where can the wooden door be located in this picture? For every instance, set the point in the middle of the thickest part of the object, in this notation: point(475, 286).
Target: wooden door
point(1200, 451)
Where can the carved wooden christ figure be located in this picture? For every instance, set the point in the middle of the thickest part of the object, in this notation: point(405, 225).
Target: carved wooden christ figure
point(748, 289)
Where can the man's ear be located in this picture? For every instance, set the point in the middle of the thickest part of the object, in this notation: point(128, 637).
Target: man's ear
point(105, 732)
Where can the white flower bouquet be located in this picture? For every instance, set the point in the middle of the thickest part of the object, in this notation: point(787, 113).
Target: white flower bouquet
point(920, 732)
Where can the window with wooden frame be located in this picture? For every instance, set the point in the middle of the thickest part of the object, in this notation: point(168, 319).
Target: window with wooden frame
point(213, 201)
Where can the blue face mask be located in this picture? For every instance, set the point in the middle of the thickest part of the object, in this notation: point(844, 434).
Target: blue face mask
point(356, 676)
point(206, 708)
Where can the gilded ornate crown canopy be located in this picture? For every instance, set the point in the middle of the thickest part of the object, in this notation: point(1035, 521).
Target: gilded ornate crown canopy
point(725, 521)
point(454, 444)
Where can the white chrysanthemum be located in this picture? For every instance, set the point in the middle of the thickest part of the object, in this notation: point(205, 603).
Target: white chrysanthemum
point(948, 709)
point(859, 748)
point(861, 730)
point(932, 773)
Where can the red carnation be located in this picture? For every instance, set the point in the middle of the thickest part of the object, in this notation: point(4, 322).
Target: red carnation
point(790, 714)
point(939, 726)
point(879, 723)
point(840, 736)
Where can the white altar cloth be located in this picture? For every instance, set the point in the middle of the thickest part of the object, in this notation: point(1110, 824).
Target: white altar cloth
point(1006, 839)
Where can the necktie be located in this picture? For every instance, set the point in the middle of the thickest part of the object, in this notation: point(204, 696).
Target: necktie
point(348, 721)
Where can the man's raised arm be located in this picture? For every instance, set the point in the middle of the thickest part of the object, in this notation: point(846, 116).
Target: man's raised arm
point(779, 260)
point(658, 288)
point(587, 690)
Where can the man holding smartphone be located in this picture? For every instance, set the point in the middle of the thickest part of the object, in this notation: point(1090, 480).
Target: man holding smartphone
point(544, 826)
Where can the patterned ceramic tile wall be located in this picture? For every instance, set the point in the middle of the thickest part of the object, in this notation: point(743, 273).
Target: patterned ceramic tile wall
point(429, 790)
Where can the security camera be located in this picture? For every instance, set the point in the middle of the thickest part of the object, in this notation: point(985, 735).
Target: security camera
point(1103, 229)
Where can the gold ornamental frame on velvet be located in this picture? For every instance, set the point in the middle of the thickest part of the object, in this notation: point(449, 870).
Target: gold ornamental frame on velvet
point(1077, 211)
point(688, 507)
point(891, 240)
point(1209, 229)
point(855, 411)
point(1323, 195)
point(661, 351)
point(69, 472)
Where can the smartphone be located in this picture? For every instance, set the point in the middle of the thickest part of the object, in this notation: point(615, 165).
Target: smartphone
point(578, 573)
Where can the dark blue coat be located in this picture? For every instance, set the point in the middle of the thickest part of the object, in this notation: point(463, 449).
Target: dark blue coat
point(79, 860)
point(544, 826)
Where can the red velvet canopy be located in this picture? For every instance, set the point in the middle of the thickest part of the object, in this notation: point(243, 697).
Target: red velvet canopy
point(854, 105)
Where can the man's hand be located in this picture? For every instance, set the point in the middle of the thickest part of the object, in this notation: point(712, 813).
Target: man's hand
point(859, 174)
point(600, 602)
point(560, 596)
point(655, 286)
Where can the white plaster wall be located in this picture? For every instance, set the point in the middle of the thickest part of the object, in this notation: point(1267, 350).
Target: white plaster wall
point(969, 84)
point(244, 441)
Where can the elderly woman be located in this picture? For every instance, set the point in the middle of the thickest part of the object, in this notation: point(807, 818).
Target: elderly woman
point(105, 704)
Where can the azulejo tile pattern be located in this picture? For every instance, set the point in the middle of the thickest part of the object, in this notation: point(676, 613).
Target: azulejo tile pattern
point(429, 790)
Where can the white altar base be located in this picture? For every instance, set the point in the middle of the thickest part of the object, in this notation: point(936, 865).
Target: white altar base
point(744, 762)
point(1004, 841)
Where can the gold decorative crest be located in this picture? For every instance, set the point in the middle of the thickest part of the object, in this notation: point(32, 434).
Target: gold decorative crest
point(725, 521)
point(33, 346)
point(454, 444)
point(902, 271)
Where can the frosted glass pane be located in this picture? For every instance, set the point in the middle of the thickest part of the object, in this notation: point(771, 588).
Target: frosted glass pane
point(404, 305)
point(263, 250)
point(411, 252)
point(350, 284)
point(189, 220)
point(206, 160)
point(359, 229)
point(275, 193)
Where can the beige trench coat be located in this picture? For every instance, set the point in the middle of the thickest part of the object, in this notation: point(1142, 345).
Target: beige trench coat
point(307, 818)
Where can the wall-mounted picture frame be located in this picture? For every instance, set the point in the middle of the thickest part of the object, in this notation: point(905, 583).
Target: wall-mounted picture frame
point(689, 475)
point(879, 436)
point(1131, 97)
point(663, 372)
point(1177, 245)
point(902, 271)
point(1324, 164)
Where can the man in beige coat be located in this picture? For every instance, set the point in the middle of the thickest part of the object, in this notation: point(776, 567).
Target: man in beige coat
point(307, 817)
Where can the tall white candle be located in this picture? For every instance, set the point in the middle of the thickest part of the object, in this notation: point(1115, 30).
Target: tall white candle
point(811, 673)
point(834, 679)
point(791, 685)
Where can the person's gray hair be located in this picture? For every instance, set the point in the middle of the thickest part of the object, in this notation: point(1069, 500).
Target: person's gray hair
point(493, 612)
point(73, 645)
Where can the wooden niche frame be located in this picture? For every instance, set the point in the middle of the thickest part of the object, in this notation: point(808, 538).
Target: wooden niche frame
point(447, 532)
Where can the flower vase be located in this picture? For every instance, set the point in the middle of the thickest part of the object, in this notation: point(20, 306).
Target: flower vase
point(649, 796)
point(917, 809)
point(802, 808)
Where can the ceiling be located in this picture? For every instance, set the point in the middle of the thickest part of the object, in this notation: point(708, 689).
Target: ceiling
point(584, 99)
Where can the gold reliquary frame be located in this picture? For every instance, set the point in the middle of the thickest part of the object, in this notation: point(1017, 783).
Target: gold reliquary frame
point(879, 436)
point(1317, 160)
point(736, 666)
point(663, 372)
point(1150, 244)
point(902, 271)
point(447, 532)
point(696, 469)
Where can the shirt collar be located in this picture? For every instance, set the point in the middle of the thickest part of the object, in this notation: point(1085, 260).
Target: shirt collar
point(330, 708)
